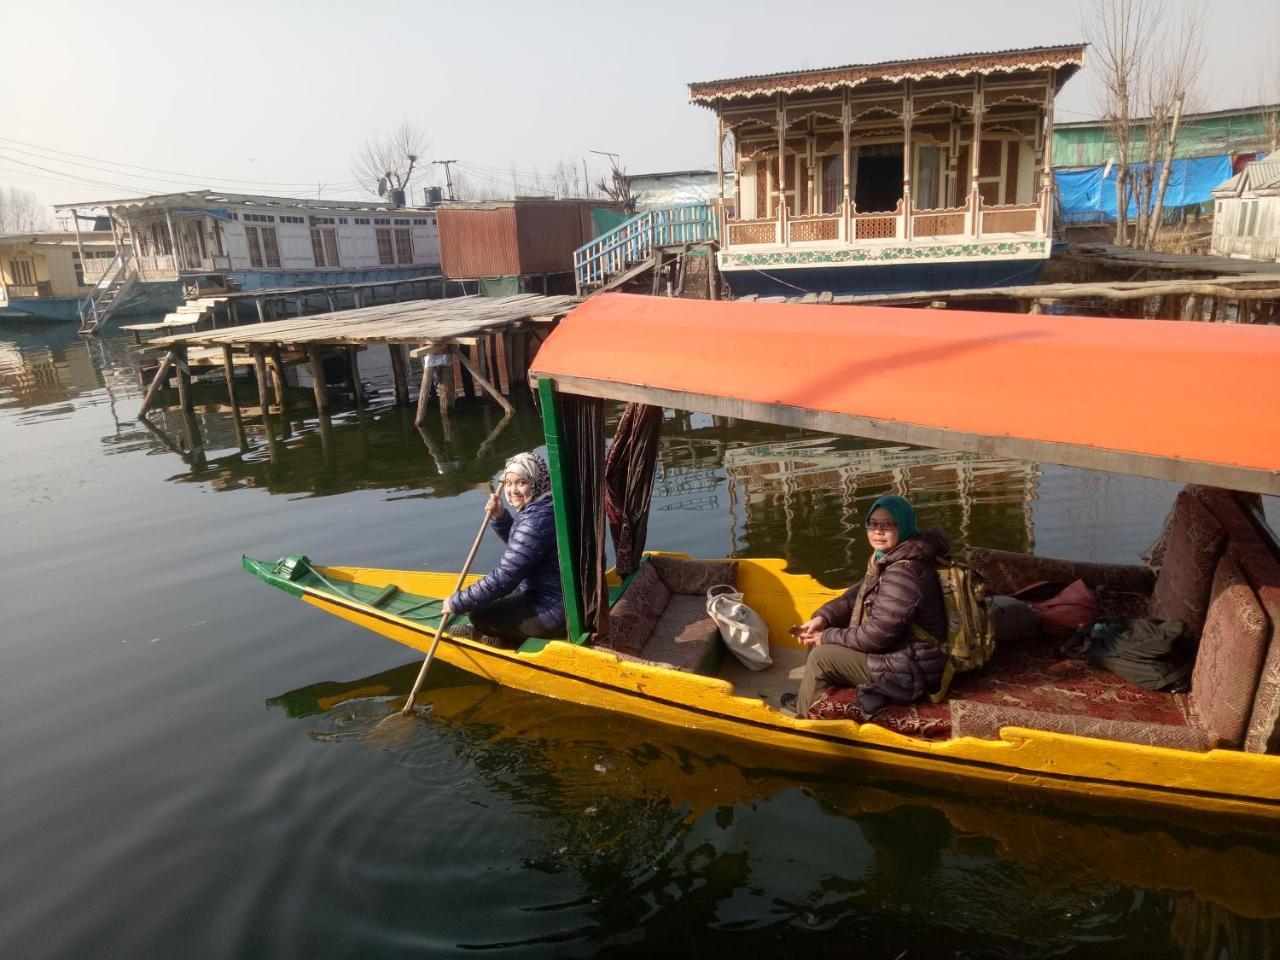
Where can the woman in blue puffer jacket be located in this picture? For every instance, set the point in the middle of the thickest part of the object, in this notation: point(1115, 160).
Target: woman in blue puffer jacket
point(521, 597)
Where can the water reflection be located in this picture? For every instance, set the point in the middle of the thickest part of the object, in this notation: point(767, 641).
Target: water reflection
point(707, 833)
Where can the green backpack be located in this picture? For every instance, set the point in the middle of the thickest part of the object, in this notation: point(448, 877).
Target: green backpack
point(971, 638)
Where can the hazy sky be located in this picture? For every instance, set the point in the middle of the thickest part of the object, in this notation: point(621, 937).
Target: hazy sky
point(281, 95)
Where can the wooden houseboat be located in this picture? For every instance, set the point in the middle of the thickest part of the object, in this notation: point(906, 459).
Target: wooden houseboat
point(44, 276)
point(257, 243)
point(904, 175)
point(1246, 212)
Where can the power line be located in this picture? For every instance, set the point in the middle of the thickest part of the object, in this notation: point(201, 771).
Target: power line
point(176, 173)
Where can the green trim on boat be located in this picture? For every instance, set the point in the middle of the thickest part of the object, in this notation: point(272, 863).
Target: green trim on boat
point(295, 575)
point(560, 494)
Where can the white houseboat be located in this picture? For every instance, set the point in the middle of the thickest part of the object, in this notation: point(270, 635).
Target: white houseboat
point(260, 242)
point(905, 175)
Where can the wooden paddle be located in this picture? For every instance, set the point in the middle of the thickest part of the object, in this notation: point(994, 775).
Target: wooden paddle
point(445, 617)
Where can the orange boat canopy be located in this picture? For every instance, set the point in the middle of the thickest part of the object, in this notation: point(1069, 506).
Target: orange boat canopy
point(1195, 402)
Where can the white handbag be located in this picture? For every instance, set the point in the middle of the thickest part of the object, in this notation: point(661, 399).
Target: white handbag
point(744, 633)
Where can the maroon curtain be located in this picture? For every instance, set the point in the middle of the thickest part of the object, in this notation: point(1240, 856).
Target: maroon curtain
point(628, 482)
point(582, 440)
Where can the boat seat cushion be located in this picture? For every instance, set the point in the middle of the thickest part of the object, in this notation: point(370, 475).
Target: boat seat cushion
point(1030, 677)
point(973, 718)
point(1196, 541)
point(1006, 571)
point(632, 618)
point(1229, 661)
point(685, 636)
point(694, 577)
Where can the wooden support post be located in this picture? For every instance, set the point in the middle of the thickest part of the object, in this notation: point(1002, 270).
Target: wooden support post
point(229, 371)
point(447, 384)
point(357, 298)
point(333, 304)
point(353, 377)
point(398, 374)
point(474, 350)
point(184, 379)
point(502, 347)
point(489, 388)
point(277, 378)
point(260, 371)
point(459, 387)
point(519, 356)
point(262, 313)
point(317, 380)
point(162, 375)
point(424, 392)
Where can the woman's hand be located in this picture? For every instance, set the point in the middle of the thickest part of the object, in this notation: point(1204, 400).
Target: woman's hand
point(494, 508)
point(446, 607)
point(811, 631)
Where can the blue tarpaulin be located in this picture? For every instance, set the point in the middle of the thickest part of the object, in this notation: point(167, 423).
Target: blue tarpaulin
point(1087, 197)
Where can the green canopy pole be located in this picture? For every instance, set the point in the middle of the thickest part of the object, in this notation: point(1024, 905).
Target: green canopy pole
point(566, 536)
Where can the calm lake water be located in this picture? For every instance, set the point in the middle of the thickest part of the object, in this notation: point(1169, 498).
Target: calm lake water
point(190, 764)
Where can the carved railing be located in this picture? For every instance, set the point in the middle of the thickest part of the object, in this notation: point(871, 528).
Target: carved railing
point(158, 268)
point(94, 268)
point(813, 228)
point(1011, 218)
point(753, 231)
point(939, 223)
point(18, 291)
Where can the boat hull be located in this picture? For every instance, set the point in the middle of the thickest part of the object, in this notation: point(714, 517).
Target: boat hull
point(1218, 781)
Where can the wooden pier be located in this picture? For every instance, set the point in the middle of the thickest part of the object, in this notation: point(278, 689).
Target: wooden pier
point(493, 340)
point(278, 303)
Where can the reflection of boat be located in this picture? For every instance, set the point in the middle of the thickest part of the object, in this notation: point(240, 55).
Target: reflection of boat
point(1060, 850)
point(854, 370)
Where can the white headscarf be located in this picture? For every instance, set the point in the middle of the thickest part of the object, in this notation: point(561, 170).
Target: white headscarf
point(532, 468)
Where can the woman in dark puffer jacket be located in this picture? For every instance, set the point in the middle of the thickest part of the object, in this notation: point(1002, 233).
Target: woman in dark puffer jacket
point(521, 597)
point(865, 638)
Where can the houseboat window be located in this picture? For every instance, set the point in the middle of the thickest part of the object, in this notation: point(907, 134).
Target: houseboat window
point(324, 246)
point(422, 223)
point(879, 178)
point(20, 273)
point(270, 249)
point(218, 249)
point(381, 222)
point(292, 220)
point(404, 246)
point(260, 217)
point(79, 268)
point(832, 183)
point(362, 221)
point(386, 253)
point(342, 221)
point(930, 163)
point(255, 246)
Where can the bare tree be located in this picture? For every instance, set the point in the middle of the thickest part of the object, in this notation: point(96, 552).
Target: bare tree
point(1171, 90)
point(617, 187)
point(20, 211)
point(466, 187)
point(387, 163)
point(1119, 32)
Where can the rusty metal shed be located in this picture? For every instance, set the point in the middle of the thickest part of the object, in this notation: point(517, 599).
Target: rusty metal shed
point(521, 237)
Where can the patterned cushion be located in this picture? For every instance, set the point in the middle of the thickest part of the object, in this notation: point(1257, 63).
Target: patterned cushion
point(694, 576)
point(1030, 677)
point(632, 618)
point(685, 636)
point(1008, 572)
point(1230, 658)
point(1195, 543)
point(972, 718)
point(1121, 603)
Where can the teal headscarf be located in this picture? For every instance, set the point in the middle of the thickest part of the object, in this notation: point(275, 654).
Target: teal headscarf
point(904, 515)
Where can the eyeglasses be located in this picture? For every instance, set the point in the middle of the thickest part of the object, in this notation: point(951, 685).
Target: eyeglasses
point(885, 525)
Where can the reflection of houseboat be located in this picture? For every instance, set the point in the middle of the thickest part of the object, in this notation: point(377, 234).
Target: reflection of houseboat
point(262, 243)
point(46, 275)
point(907, 175)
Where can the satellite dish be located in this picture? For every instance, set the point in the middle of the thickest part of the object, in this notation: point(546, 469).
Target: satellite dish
point(382, 186)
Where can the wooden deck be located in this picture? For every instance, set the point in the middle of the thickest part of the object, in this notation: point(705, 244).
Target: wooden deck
point(488, 338)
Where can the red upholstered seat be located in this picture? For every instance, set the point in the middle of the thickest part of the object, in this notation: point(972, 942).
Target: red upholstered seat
point(1030, 678)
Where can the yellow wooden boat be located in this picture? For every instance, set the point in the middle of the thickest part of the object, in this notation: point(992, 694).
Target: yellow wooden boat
point(884, 374)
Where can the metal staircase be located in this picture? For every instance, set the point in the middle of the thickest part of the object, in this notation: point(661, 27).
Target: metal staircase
point(636, 245)
point(108, 294)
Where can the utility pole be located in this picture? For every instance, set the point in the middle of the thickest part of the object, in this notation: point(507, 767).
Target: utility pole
point(448, 176)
